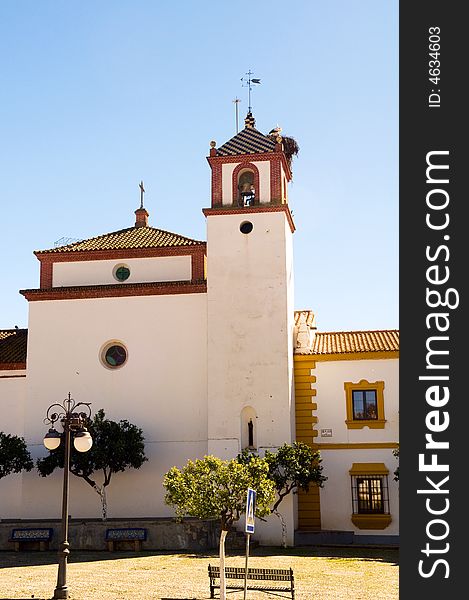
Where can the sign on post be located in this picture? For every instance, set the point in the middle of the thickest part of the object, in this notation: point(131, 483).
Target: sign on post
point(249, 528)
point(250, 510)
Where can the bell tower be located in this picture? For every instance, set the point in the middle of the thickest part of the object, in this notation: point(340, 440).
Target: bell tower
point(251, 169)
point(250, 293)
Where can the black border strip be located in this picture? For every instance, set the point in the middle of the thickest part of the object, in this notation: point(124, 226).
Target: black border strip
point(432, 270)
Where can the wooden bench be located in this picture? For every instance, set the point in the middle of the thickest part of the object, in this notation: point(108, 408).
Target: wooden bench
point(116, 538)
point(29, 537)
point(270, 576)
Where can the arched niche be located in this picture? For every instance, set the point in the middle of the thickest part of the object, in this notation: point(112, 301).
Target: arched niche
point(248, 428)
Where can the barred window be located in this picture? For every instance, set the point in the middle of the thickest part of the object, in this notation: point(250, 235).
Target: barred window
point(370, 494)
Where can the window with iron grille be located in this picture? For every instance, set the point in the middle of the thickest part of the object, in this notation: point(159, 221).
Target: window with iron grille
point(370, 494)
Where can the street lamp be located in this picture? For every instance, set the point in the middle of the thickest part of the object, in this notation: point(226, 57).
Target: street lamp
point(73, 422)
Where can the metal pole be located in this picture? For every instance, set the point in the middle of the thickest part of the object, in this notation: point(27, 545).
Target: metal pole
point(61, 591)
point(248, 535)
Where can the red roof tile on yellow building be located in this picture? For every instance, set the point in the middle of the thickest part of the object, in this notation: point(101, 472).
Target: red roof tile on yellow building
point(345, 343)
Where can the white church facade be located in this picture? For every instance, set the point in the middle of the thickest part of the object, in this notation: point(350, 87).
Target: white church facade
point(200, 345)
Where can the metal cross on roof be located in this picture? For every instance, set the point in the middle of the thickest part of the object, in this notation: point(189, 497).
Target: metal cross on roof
point(248, 83)
point(142, 191)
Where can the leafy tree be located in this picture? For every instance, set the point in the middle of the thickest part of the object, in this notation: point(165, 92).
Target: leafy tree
point(211, 488)
point(14, 455)
point(292, 467)
point(396, 472)
point(117, 446)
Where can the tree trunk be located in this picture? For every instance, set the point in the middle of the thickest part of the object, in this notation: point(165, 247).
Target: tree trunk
point(101, 490)
point(223, 535)
point(284, 528)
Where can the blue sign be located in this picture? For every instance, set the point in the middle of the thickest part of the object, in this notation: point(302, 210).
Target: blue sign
point(250, 510)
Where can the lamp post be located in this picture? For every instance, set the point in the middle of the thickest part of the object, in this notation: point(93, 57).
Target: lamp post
point(73, 417)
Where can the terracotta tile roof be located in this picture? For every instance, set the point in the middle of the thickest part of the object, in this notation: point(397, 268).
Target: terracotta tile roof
point(124, 239)
point(13, 343)
point(348, 342)
point(247, 141)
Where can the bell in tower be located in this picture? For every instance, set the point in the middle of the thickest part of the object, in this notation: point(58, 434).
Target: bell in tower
point(247, 192)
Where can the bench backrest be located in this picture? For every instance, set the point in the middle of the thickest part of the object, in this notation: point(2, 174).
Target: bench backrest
point(33, 534)
point(129, 533)
point(253, 573)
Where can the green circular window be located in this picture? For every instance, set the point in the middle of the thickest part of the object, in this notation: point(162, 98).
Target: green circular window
point(121, 272)
point(115, 356)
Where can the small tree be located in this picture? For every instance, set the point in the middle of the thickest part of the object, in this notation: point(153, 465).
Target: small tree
point(211, 488)
point(292, 467)
point(396, 472)
point(117, 446)
point(14, 455)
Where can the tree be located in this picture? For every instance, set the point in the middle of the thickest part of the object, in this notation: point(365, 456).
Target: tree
point(117, 446)
point(396, 472)
point(14, 455)
point(211, 488)
point(292, 467)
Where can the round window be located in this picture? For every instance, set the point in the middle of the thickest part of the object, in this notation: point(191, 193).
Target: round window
point(114, 356)
point(121, 272)
point(246, 227)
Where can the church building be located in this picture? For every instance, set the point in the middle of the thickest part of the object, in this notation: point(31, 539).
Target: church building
point(200, 344)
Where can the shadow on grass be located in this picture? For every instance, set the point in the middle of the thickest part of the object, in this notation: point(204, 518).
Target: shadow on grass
point(26, 559)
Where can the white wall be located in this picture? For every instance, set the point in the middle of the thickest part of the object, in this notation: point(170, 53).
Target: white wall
point(336, 498)
point(227, 182)
point(12, 398)
point(161, 388)
point(250, 330)
point(336, 495)
point(332, 412)
point(100, 272)
point(263, 167)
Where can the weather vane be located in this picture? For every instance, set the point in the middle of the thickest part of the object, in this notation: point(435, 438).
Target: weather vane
point(247, 82)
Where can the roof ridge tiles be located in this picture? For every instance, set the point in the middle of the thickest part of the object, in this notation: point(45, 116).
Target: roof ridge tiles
point(140, 235)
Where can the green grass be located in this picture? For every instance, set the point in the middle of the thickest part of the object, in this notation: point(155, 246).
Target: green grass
point(320, 574)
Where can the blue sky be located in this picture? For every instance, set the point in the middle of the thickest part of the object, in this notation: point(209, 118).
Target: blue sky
point(96, 96)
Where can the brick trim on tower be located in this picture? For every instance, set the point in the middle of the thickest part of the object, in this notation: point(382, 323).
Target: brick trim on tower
point(276, 182)
point(217, 193)
point(236, 158)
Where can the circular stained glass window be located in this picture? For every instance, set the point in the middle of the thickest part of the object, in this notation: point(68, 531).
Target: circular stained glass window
point(121, 272)
point(115, 356)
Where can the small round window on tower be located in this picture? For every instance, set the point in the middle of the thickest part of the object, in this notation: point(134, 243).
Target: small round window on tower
point(246, 227)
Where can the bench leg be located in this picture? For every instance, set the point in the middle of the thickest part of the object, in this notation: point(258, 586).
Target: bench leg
point(110, 546)
point(17, 546)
